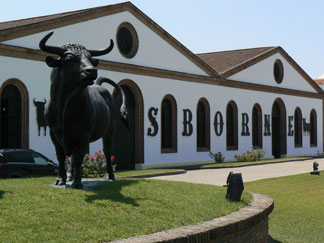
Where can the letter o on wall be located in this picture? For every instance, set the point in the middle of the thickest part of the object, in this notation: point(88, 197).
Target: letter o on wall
point(218, 123)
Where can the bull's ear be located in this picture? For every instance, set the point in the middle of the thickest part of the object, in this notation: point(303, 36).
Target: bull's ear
point(95, 62)
point(52, 62)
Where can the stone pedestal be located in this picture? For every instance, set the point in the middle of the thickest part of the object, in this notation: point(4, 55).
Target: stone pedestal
point(315, 173)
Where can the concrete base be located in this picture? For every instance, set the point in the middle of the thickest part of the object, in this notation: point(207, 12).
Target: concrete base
point(88, 183)
point(315, 173)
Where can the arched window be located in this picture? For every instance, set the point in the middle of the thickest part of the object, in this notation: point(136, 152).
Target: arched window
point(203, 125)
point(313, 129)
point(168, 125)
point(14, 114)
point(257, 126)
point(298, 128)
point(231, 126)
point(278, 128)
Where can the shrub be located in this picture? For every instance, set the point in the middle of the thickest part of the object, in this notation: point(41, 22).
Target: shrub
point(94, 166)
point(250, 155)
point(217, 157)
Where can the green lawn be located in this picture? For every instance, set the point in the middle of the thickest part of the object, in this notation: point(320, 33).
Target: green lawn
point(33, 211)
point(298, 215)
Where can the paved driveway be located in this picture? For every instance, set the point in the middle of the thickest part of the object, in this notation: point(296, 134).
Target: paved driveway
point(249, 173)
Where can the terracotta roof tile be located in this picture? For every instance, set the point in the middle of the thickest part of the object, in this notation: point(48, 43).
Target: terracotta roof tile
point(224, 61)
point(319, 81)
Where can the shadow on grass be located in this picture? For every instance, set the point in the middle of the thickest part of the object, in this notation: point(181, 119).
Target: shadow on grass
point(271, 240)
point(112, 192)
point(1, 194)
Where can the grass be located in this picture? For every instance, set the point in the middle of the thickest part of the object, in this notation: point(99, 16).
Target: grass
point(299, 208)
point(33, 211)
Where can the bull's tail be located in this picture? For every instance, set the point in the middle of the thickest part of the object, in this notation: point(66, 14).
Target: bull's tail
point(123, 108)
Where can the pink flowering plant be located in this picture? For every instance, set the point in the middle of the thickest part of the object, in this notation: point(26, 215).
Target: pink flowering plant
point(94, 166)
point(250, 155)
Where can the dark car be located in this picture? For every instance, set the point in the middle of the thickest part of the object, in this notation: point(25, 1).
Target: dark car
point(16, 163)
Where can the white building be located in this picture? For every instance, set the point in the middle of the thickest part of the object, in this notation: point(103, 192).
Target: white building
point(181, 105)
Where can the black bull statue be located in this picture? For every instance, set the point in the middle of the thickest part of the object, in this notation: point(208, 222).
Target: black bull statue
point(79, 111)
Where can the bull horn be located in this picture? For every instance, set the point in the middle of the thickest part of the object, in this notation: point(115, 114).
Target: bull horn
point(50, 49)
point(102, 52)
point(44, 101)
point(34, 100)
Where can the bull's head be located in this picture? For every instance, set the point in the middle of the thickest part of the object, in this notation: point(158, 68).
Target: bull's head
point(75, 61)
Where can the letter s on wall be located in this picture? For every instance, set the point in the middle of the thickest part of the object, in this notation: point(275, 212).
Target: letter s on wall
point(152, 112)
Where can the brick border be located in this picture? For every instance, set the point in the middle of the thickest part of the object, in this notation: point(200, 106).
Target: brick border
point(249, 224)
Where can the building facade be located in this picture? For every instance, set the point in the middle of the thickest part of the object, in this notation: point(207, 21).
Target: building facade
point(181, 105)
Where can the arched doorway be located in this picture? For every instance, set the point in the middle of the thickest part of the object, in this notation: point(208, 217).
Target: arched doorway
point(278, 129)
point(10, 117)
point(14, 115)
point(128, 144)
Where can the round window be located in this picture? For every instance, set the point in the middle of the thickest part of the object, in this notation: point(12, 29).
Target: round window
point(278, 71)
point(127, 40)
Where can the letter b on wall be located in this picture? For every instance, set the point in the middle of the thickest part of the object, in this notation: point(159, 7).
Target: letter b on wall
point(187, 125)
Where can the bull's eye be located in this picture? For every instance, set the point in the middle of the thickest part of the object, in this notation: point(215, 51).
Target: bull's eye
point(70, 58)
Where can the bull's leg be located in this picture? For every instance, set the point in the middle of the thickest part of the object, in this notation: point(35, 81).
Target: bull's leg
point(60, 154)
point(77, 159)
point(70, 171)
point(107, 143)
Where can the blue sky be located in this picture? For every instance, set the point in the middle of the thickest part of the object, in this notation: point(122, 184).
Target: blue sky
point(217, 25)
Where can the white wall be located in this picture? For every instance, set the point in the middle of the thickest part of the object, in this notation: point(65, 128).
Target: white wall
point(153, 51)
point(187, 95)
point(262, 73)
point(36, 76)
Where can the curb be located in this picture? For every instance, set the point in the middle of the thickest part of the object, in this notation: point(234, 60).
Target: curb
point(211, 168)
point(155, 175)
point(237, 166)
point(240, 225)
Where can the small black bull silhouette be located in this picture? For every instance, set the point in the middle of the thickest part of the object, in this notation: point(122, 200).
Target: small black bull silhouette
point(79, 111)
point(306, 126)
point(40, 115)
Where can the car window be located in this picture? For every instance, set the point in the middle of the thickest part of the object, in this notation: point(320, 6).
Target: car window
point(39, 159)
point(22, 157)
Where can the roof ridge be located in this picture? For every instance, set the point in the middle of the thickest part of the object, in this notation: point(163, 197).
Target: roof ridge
point(61, 14)
point(44, 16)
point(244, 49)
